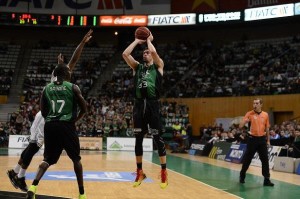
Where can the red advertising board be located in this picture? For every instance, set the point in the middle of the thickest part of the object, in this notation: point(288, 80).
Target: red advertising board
point(133, 20)
point(209, 6)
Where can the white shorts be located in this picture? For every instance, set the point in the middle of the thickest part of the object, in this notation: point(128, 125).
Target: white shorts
point(37, 130)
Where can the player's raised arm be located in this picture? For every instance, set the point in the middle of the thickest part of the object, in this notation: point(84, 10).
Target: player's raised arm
point(127, 54)
point(156, 59)
point(78, 50)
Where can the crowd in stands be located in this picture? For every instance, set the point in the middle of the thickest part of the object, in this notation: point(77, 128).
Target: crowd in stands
point(106, 117)
point(191, 70)
point(284, 134)
point(205, 70)
point(93, 62)
point(8, 52)
point(243, 69)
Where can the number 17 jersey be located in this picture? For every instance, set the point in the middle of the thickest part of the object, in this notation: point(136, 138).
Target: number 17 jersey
point(61, 103)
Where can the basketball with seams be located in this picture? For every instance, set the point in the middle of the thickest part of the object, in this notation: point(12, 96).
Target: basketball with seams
point(142, 33)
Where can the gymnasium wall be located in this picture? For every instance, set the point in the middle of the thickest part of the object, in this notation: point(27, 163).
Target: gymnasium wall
point(203, 111)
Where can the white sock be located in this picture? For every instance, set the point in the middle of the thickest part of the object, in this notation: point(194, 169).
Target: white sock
point(17, 168)
point(21, 173)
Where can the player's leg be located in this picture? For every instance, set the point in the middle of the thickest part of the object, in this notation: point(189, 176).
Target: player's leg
point(250, 152)
point(52, 151)
point(153, 117)
point(140, 128)
point(263, 156)
point(12, 173)
point(25, 161)
point(72, 147)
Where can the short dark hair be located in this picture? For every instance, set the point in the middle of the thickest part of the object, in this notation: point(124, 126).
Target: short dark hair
point(61, 71)
point(260, 100)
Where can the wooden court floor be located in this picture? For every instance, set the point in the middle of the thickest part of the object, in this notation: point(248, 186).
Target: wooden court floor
point(190, 177)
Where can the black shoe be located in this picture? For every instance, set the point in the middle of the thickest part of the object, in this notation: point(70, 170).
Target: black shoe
point(12, 177)
point(242, 180)
point(30, 195)
point(267, 182)
point(21, 184)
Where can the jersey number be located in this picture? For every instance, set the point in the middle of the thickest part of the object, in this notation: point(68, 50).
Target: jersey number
point(143, 84)
point(58, 102)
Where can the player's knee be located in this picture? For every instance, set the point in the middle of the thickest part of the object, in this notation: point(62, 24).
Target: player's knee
point(50, 161)
point(138, 150)
point(28, 155)
point(160, 145)
point(44, 165)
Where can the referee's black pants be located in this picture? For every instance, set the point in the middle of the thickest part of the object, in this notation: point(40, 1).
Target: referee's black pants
point(259, 145)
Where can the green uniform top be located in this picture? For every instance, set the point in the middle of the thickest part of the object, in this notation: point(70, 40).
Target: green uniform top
point(147, 82)
point(61, 102)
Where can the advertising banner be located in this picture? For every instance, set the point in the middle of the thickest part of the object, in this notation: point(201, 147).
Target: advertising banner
point(127, 20)
point(297, 8)
point(90, 143)
point(219, 17)
point(127, 144)
point(273, 151)
point(212, 6)
point(219, 150)
point(197, 148)
point(18, 141)
point(269, 12)
point(171, 20)
point(86, 7)
point(236, 153)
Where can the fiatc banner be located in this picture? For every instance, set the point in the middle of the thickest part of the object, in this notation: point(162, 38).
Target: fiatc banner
point(269, 12)
point(273, 151)
point(219, 150)
point(172, 20)
point(18, 141)
point(236, 153)
point(210, 6)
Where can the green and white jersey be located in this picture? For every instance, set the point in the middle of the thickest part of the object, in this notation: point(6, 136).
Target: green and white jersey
point(61, 102)
point(147, 82)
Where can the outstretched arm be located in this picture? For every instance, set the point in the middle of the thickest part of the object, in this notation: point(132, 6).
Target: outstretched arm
point(127, 54)
point(156, 59)
point(78, 50)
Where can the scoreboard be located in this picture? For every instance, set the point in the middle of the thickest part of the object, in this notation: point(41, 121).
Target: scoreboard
point(26, 19)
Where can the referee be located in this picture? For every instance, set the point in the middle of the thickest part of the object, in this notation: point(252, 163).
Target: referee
point(259, 140)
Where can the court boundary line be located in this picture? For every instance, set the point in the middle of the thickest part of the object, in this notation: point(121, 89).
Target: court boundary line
point(195, 180)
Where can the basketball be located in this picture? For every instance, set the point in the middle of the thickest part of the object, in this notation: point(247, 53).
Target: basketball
point(142, 33)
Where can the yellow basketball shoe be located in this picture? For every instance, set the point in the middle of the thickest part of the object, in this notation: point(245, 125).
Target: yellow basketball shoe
point(163, 178)
point(82, 196)
point(31, 192)
point(140, 176)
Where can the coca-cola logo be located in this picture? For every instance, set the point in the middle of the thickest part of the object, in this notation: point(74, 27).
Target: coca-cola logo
point(126, 20)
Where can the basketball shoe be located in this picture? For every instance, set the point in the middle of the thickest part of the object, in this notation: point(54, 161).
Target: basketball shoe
point(163, 178)
point(12, 177)
point(140, 176)
point(31, 192)
point(82, 196)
